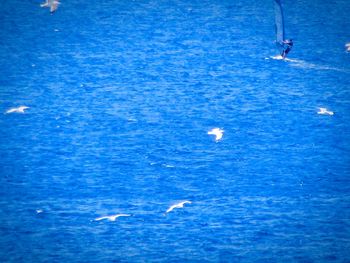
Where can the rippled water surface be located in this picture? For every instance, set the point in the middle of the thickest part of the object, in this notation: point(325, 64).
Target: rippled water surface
point(121, 96)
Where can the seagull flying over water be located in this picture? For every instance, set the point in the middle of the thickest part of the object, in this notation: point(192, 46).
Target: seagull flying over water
point(53, 4)
point(324, 111)
point(179, 205)
point(217, 132)
point(20, 109)
point(110, 218)
point(347, 46)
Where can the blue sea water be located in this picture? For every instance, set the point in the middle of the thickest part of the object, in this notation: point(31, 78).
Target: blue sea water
point(121, 95)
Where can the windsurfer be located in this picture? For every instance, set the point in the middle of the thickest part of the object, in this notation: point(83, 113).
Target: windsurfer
point(287, 47)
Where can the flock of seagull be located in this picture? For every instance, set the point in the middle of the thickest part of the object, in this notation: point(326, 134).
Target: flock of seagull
point(114, 217)
point(217, 132)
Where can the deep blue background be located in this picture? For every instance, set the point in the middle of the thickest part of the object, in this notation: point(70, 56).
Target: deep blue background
point(122, 95)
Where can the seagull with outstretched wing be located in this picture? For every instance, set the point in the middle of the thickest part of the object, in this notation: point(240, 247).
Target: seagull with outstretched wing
point(179, 205)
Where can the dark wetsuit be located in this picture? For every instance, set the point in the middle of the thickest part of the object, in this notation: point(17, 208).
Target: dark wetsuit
point(288, 44)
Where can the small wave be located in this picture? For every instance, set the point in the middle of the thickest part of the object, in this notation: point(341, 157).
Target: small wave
point(307, 65)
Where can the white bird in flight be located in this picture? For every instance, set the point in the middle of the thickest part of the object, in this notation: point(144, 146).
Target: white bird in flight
point(324, 111)
point(179, 205)
point(53, 4)
point(110, 218)
point(347, 46)
point(217, 132)
point(20, 109)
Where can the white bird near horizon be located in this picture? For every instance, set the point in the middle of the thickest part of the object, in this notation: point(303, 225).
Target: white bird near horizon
point(111, 217)
point(19, 109)
point(217, 132)
point(179, 205)
point(324, 111)
point(347, 46)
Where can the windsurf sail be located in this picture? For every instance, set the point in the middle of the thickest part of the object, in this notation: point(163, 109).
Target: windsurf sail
point(279, 23)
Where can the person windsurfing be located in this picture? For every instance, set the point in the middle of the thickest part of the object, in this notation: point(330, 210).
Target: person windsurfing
point(284, 45)
point(287, 47)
